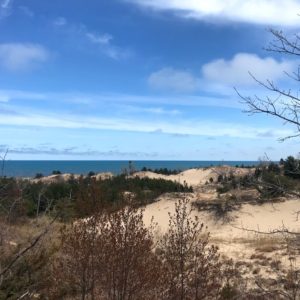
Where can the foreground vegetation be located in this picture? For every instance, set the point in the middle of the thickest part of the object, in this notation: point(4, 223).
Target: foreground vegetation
point(86, 239)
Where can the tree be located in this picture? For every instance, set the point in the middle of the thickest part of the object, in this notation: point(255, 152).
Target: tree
point(75, 270)
point(291, 167)
point(280, 102)
point(108, 256)
point(284, 104)
point(192, 265)
point(130, 269)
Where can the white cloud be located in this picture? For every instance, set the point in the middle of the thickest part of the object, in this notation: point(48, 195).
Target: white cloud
point(221, 75)
point(103, 39)
point(60, 21)
point(9, 95)
point(182, 127)
point(73, 151)
point(17, 56)
point(264, 12)
point(119, 99)
point(161, 111)
point(236, 71)
point(5, 8)
point(174, 80)
point(6, 3)
point(26, 11)
point(150, 110)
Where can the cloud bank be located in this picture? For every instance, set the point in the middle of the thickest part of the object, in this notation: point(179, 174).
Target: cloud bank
point(73, 151)
point(179, 126)
point(262, 12)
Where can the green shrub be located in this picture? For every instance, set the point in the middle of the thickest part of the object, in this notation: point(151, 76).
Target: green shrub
point(56, 172)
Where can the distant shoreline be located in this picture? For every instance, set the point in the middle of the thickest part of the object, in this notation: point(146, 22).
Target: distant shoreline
point(29, 168)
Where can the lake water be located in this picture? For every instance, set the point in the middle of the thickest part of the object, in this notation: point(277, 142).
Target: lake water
point(30, 168)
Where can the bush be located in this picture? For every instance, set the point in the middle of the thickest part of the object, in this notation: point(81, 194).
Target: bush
point(56, 172)
point(108, 256)
point(91, 173)
point(163, 171)
point(291, 167)
point(80, 197)
point(192, 265)
point(272, 185)
point(38, 175)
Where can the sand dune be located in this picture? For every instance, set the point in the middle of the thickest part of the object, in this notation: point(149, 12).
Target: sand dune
point(234, 239)
point(197, 177)
point(266, 217)
point(192, 177)
point(67, 176)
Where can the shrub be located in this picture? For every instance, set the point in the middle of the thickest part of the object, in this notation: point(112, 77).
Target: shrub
point(223, 189)
point(108, 256)
point(192, 265)
point(272, 185)
point(91, 173)
point(163, 171)
point(38, 175)
point(56, 172)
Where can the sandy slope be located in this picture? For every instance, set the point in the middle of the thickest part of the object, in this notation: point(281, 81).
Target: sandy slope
point(196, 177)
point(242, 246)
point(193, 177)
point(266, 217)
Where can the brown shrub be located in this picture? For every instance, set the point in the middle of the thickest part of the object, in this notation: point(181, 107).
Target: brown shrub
point(108, 256)
point(192, 266)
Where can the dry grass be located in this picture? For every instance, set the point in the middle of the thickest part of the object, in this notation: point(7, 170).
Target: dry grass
point(265, 243)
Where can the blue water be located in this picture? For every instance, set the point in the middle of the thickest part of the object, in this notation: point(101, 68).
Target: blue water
point(30, 168)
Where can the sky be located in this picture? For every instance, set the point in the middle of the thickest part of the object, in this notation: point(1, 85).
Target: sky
point(141, 79)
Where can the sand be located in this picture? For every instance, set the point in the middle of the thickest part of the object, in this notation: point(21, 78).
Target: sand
point(192, 177)
point(235, 239)
point(266, 217)
point(198, 177)
point(67, 176)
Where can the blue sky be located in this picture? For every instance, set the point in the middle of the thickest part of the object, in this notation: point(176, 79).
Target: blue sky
point(140, 79)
